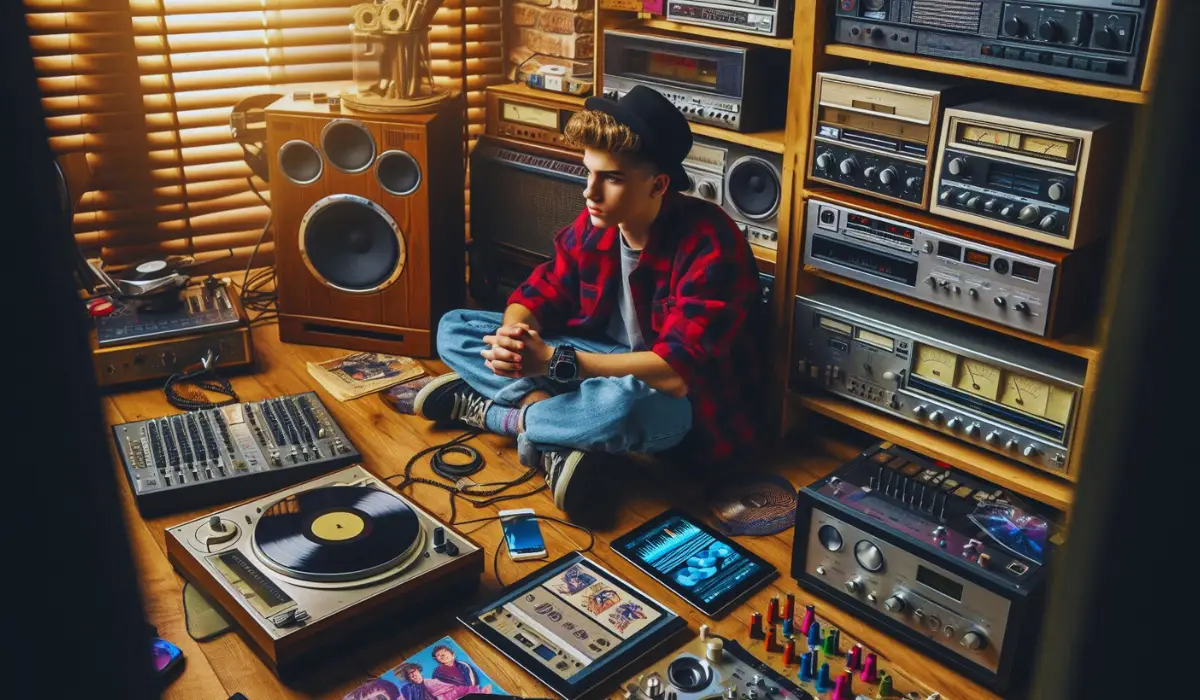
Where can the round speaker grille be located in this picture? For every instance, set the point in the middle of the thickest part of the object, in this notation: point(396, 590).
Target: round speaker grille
point(348, 145)
point(352, 244)
point(398, 172)
point(300, 162)
point(753, 187)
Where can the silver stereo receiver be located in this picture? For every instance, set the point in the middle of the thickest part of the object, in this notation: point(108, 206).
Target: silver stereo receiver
point(743, 181)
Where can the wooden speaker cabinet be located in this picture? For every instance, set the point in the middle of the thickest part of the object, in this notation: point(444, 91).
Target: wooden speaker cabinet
point(369, 224)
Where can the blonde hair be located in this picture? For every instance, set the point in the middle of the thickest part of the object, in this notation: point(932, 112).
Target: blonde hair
point(599, 130)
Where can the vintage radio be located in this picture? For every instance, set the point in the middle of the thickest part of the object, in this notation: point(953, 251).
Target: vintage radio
point(875, 131)
point(1097, 40)
point(1036, 289)
point(761, 17)
point(947, 562)
point(519, 112)
point(708, 81)
point(976, 385)
point(745, 182)
point(1042, 175)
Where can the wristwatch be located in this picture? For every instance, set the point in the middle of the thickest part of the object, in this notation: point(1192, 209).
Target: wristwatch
point(563, 366)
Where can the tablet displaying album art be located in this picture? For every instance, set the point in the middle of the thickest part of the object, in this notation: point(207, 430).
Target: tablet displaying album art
point(702, 566)
point(573, 624)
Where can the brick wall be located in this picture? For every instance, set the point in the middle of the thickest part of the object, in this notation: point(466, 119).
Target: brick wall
point(558, 28)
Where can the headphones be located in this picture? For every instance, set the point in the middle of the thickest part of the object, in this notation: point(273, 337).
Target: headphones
point(248, 121)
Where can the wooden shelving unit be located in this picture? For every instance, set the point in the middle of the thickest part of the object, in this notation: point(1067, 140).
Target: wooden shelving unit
point(772, 141)
point(711, 33)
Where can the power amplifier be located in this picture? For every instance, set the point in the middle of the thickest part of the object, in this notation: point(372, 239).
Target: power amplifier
point(1096, 40)
point(761, 17)
point(522, 113)
point(945, 561)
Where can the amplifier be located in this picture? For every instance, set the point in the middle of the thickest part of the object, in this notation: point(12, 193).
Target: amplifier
point(497, 271)
point(519, 112)
point(1096, 40)
point(1036, 289)
point(995, 392)
point(761, 17)
point(708, 81)
point(1046, 176)
point(875, 131)
point(745, 182)
point(943, 560)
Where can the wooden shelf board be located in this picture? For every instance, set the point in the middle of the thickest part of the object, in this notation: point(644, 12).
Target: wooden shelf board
point(1071, 345)
point(766, 140)
point(995, 75)
point(1026, 481)
point(768, 259)
point(518, 89)
point(712, 33)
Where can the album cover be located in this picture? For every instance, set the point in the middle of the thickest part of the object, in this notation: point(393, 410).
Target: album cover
point(362, 373)
point(440, 671)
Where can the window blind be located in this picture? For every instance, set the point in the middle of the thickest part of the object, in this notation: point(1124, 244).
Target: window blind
point(145, 88)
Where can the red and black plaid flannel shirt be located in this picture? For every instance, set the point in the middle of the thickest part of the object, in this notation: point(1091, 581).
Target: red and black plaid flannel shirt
point(695, 289)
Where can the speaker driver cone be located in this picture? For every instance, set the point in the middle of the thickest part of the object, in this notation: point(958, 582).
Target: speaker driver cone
point(348, 145)
point(398, 173)
point(753, 188)
point(300, 162)
point(352, 244)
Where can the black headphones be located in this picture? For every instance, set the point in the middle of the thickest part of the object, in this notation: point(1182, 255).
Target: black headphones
point(249, 124)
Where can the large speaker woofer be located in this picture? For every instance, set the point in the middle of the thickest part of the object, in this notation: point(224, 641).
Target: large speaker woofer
point(752, 187)
point(352, 244)
point(348, 145)
point(300, 162)
point(398, 173)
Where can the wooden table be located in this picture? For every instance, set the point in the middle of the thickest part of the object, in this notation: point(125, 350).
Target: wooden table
point(218, 668)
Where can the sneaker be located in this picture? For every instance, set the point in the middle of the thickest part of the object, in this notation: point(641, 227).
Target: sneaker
point(570, 475)
point(449, 398)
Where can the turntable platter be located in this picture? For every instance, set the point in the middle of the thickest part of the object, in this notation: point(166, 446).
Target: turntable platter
point(336, 533)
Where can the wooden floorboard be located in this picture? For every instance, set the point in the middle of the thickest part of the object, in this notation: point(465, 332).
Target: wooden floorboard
point(218, 668)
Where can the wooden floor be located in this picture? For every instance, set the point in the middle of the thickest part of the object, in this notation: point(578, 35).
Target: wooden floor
point(216, 669)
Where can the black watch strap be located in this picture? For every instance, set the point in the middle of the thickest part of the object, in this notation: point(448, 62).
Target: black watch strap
point(564, 364)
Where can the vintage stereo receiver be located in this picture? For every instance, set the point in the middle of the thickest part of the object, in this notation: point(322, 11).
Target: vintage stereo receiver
point(708, 81)
point(1046, 176)
point(761, 17)
point(945, 561)
point(875, 131)
point(987, 389)
point(522, 113)
point(1040, 290)
point(1097, 40)
point(745, 182)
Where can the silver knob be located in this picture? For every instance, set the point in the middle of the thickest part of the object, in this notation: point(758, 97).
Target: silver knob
point(974, 293)
point(1021, 307)
point(933, 622)
point(912, 183)
point(707, 190)
point(956, 165)
point(936, 416)
point(1048, 222)
point(732, 693)
point(1029, 214)
point(895, 604)
point(714, 649)
point(954, 423)
point(973, 202)
point(938, 531)
point(1008, 210)
point(992, 438)
point(1031, 451)
point(919, 410)
point(1056, 191)
point(871, 597)
point(1011, 444)
point(991, 204)
point(853, 586)
point(820, 570)
point(973, 641)
point(887, 176)
point(848, 166)
point(927, 246)
point(973, 430)
point(869, 172)
point(948, 631)
point(1000, 302)
point(653, 687)
point(825, 161)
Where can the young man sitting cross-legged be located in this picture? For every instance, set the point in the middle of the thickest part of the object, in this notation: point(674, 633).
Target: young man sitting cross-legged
point(637, 337)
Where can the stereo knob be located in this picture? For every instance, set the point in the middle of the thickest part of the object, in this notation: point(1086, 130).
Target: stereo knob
point(895, 604)
point(848, 166)
point(1056, 191)
point(991, 204)
point(927, 246)
point(887, 176)
point(933, 622)
point(1049, 30)
point(1029, 214)
point(707, 190)
point(1031, 451)
point(954, 423)
point(877, 33)
point(956, 165)
point(1014, 26)
point(962, 197)
point(936, 416)
point(973, 202)
point(1008, 210)
point(1011, 444)
point(919, 410)
point(1000, 302)
point(973, 430)
point(869, 172)
point(973, 641)
point(992, 438)
point(1021, 307)
point(853, 586)
point(1049, 223)
point(945, 195)
point(1105, 37)
point(912, 183)
point(973, 292)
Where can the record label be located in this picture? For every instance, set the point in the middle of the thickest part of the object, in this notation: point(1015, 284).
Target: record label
point(338, 525)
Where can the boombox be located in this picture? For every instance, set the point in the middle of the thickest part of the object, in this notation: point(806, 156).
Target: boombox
point(745, 182)
point(369, 224)
point(1098, 40)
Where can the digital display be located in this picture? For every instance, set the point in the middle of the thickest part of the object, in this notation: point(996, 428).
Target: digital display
point(939, 583)
point(866, 223)
point(1025, 271)
point(676, 67)
point(975, 257)
point(860, 220)
point(894, 230)
point(949, 250)
point(872, 338)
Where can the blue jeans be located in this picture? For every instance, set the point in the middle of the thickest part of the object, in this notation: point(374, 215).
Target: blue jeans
point(602, 414)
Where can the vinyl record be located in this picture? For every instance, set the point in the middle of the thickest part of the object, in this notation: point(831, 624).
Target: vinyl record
point(762, 504)
point(147, 270)
point(336, 533)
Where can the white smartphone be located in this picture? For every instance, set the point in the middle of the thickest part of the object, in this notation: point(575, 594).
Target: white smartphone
point(522, 534)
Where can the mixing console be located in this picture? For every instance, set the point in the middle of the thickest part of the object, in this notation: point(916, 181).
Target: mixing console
point(221, 454)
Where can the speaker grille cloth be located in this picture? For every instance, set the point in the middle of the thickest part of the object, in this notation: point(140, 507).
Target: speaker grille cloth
point(961, 15)
point(351, 245)
point(520, 208)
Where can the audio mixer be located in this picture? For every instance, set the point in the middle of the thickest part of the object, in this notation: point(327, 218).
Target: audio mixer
point(221, 454)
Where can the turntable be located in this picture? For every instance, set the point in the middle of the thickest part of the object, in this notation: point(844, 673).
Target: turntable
point(303, 569)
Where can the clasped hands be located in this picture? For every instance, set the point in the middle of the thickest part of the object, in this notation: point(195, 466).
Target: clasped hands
point(516, 350)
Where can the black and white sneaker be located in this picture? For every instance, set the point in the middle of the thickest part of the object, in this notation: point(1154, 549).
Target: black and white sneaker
point(449, 398)
point(571, 476)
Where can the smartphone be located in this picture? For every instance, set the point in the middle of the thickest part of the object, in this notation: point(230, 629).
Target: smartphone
point(522, 534)
point(167, 657)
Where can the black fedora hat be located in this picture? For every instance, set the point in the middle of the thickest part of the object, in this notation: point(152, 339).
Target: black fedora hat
point(665, 133)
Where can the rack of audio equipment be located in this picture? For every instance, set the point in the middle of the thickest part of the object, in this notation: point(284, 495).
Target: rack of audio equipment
point(812, 50)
